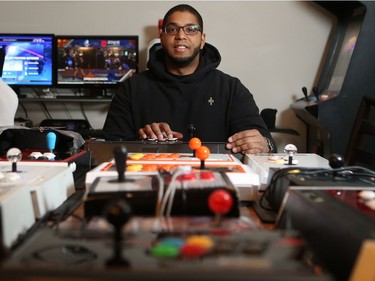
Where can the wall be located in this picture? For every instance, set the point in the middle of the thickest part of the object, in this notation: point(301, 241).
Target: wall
point(274, 47)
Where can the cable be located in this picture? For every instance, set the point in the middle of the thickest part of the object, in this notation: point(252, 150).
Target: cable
point(67, 111)
point(349, 172)
point(46, 111)
point(84, 113)
point(24, 110)
point(172, 186)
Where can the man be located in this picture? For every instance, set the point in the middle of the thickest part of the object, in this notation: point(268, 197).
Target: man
point(182, 88)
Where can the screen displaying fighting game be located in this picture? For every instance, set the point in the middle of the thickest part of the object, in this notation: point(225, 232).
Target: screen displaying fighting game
point(28, 59)
point(95, 60)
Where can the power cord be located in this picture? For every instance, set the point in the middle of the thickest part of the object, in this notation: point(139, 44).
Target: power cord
point(343, 173)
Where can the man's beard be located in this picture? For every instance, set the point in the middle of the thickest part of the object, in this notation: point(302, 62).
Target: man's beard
point(184, 61)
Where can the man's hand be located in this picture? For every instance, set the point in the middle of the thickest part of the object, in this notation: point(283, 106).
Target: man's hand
point(158, 131)
point(248, 142)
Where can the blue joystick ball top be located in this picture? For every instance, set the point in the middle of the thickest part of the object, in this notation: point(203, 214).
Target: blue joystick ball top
point(51, 141)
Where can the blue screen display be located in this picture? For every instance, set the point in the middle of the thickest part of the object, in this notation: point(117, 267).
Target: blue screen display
point(28, 59)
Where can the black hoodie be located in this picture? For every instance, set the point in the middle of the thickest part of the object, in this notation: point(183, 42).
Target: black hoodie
point(217, 104)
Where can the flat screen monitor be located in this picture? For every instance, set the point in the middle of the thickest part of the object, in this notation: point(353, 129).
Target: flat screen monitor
point(28, 59)
point(95, 61)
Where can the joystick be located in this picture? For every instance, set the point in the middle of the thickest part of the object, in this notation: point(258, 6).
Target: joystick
point(336, 161)
point(117, 213)
point(191, 130)
point(220, 202)
point(304, 91)
point(291, 150)
point(316, 93)
point(14, 155)
point(120, 154)
point(202, 154)
point(194, 144)
point(51, 143)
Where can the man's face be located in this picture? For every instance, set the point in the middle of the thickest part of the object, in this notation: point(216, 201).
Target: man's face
point(182, 49)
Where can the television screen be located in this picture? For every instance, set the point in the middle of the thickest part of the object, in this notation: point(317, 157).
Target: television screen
point(28, 59)
point(84, 61)
point(342, 45)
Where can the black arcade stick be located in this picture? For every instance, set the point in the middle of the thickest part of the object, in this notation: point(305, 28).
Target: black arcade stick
point(316, 93)
point(191, 130)
point(120, 154)
point(336, 161)
point(304, 91)
point(117, 213)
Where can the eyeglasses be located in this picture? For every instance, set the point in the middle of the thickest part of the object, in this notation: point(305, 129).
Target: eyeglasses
point(190, 29)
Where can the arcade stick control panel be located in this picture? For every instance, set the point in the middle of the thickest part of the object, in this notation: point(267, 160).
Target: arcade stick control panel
point(262, 163)
point(182, 191)
point(337, 239)
point(239, 175)
point(78, 161)
point(27, 193)
point(131, 248)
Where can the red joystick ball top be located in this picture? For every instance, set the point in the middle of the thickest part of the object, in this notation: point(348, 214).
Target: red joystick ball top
point(202, 153)
point(195, 143)
point(220, 201)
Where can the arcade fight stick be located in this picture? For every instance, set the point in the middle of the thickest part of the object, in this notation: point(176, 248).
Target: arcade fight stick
point(265, 164)
point(336, 223)
point(51, 143)
point(117, 213)
point(183, 191)
point(336, 177)
point(159, 248)
point(28, 193)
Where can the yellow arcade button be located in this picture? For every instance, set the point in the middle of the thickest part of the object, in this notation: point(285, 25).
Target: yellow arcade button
point(134, 168)
point(200, 240)
point(136, 156)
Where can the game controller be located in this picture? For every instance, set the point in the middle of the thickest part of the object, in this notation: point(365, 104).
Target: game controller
point(51, 143)
point(28, 193)
point(126, 247)
point(179, 191)
point(265, 164)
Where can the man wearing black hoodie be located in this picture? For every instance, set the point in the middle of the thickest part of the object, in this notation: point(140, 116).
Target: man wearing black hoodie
point(183, 86)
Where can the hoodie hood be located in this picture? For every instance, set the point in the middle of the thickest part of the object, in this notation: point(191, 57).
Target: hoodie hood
point(209, 60)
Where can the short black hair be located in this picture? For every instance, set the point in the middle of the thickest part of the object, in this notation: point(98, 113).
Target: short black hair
point(184, 8)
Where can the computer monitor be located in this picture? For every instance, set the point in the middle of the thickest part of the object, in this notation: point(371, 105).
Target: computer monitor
point(28, 60)
point(95, 61)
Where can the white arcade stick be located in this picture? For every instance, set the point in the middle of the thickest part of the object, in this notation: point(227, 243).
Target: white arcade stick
point(28, 192)
point(262, 163)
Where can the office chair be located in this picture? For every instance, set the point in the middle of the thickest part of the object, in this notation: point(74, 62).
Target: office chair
point(269, 117)
point(361, 145)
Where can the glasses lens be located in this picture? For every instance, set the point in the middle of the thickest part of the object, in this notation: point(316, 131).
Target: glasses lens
point(188, 29)
point(171, 29)
point(191, 29)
